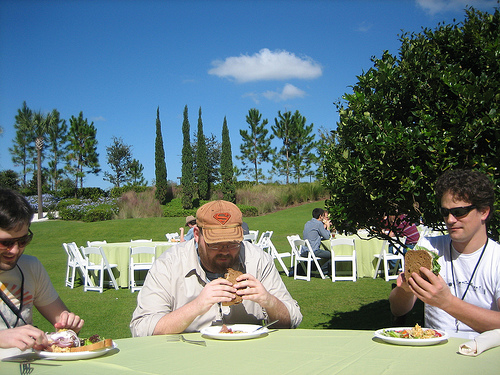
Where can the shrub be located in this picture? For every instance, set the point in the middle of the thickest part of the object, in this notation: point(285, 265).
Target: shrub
point(133, 205)
point(248, 210)
point(100, 213)
point(49, 202)
point(88, 210)
point(117, 192)
point(93, 193)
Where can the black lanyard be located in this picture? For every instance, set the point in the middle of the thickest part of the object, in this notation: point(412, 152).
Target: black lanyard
point(12, 307)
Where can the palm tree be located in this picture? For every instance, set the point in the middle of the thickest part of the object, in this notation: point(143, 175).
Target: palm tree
point(40, 125)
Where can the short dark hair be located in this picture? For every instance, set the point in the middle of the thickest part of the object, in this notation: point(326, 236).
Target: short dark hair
point(317, 212)
point(468, 185)
point(15, 211)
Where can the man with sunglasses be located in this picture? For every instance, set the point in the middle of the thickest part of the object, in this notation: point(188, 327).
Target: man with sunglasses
point(464, 299)
point(24, 283)
point(185, 289)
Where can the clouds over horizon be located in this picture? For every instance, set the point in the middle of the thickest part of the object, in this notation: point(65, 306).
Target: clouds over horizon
point(266, 65)
point(440, 6)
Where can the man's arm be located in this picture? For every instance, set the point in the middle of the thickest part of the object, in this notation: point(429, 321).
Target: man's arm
point(437, 293)
point(218, 290)
point(58, 314)
point(401, 298)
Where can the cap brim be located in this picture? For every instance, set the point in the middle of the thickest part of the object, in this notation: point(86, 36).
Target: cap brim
point(223, 235)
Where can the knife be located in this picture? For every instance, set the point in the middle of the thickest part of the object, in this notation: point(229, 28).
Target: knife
point(267, 325)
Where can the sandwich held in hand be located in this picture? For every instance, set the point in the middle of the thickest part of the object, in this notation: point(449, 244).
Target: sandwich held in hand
point(231, 276)
point(67, 341)
point(421, 257)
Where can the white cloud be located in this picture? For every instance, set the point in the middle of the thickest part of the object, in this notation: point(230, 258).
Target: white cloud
point(266, 65)
point(440, 6)
point(98, 118)
point(364, 26)
point(289, 92)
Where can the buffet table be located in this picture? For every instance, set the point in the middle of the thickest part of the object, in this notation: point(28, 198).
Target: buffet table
point(366, 249)
point(119, 253)
point(299, 351)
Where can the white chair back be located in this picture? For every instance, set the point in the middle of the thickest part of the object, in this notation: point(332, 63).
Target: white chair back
point(385, 257)
point(349, 258)
point(173, 237)
point(150, 240)
point(136, 264)
point(96, 243)
point(303, 254)
point(252, 236)
point(101, 267)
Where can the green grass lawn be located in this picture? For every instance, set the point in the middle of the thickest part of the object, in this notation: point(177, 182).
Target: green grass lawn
point(342, 305)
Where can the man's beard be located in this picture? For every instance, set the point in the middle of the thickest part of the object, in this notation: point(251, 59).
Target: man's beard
point(217, 266)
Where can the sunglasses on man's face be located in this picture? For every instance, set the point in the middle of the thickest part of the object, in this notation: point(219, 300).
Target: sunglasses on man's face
point(457, 212)
point(21, 241)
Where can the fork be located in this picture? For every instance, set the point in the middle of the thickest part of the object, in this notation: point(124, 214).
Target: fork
point(183, 339)
point(25, 368)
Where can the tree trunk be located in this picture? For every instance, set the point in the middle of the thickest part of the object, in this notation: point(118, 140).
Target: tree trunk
point(39, 145)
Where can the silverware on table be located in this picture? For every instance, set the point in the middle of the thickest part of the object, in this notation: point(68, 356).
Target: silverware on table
point(183, 339)
point(267, 325)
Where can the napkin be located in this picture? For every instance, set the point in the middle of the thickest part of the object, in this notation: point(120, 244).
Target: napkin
point(484, 341)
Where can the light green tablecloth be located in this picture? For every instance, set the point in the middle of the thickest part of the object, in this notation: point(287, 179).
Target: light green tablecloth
point(118, 253)
point(365, 253)
point(281, 352)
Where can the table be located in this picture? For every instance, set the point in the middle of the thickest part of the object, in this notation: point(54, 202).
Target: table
point(119, 253)
point(299, 351)
point(366, 249)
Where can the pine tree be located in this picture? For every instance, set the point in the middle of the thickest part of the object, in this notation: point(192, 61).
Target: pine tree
point(187, 164)
point(160, 166)
point(202, 163)
point(226, 167)
point(22, 150)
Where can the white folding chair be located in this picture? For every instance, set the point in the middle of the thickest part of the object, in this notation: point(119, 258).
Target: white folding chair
point(252, 236)
point(343, 258)
point(301, 246)
point(79, 262)
point(101, 267)
point(385, 257)
point(96, 243)
point(72, 264)
point(136, 265)
point(267, 245)
point(150, 240)
point(173, 237)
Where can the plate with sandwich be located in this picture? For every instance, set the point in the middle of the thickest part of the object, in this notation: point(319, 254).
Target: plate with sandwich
point(412, 336)
point(65, 345)
point(234, 332)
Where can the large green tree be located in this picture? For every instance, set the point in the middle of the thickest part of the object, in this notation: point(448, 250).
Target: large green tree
point(22, 150)
point(410, 117)
point(83, 148)
point(256, 146)
point(58, 146)
point(202, 175)
point(187, 181)
point(226, 166)
point(119, 157)
point(162, 192)
point(283, 129)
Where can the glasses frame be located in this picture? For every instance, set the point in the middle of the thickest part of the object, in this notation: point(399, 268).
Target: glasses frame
point(22, 242)
point(457, 212)
point(217, 247)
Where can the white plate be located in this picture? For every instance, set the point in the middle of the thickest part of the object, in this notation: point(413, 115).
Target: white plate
point(213, 332)
point(410, 342)
point(76, 355)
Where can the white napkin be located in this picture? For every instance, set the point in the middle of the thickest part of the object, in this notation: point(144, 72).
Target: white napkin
point(484, 341)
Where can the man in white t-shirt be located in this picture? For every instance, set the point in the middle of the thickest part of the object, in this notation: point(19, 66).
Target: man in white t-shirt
point(464, 299)
point(24, 283)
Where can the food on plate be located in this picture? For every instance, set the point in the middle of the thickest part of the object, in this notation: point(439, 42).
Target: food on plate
point(416, 332)
point(231, 276)
point(421, 257)
point(67, 341)
point(226, 329)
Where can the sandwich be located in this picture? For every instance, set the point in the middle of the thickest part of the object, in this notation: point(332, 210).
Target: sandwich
point(67, 341)
point(421, 257)
point(231, 276)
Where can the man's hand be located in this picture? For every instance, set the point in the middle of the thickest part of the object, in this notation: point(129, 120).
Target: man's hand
point(434, 292)
point(68, 320)
point(24, 337)
point(249, 288)
point(218, 290)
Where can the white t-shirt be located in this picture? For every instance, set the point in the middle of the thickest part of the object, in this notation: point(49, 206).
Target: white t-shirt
point(484, 289)
point(38, 289)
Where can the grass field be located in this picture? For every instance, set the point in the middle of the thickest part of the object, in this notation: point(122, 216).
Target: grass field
point(348, 305)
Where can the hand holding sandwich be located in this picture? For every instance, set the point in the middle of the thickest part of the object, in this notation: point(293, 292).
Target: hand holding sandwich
point(432, 291)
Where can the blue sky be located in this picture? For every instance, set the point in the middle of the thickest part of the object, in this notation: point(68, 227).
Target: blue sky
point(117, 61)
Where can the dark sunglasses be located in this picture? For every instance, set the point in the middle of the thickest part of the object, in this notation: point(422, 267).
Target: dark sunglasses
point(457, 211)
point(21, 241)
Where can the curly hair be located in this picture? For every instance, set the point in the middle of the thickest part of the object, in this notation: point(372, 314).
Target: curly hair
point(469, 186)
point(15, 211)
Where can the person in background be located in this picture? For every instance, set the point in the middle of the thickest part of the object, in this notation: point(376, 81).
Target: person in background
point(24, 282)
point(191, 223)
point(185, 288)
point(316, 230)
point(405, 229)
point(464, 299)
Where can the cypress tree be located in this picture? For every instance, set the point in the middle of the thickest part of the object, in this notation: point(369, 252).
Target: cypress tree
point(160, 165)
point(202, 163)
point(187, 165)
point(226, 166)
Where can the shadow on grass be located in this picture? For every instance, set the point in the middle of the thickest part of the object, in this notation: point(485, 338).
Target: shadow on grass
point(373, 316)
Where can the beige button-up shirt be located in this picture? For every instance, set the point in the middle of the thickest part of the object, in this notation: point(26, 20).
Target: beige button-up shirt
point(177, 278)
